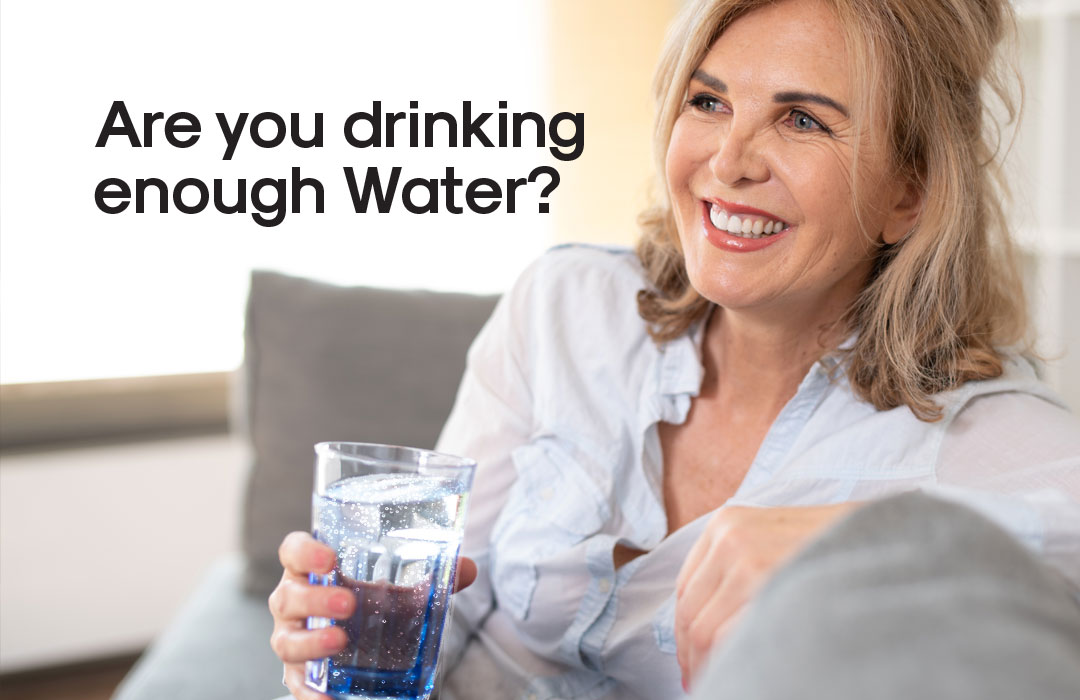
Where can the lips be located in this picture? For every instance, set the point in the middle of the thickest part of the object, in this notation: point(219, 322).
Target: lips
point(741, 228)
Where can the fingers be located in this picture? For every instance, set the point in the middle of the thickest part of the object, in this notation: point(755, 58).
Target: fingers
point(294, 681)
point(300, 553)
point(717, 531)
point(705, 578)
point(299, 645)
point(693, 557)
point(714, 618)
point(294, 599)
point(466, 574)
point(726, 629)
point(683, 614)
point(699, 660)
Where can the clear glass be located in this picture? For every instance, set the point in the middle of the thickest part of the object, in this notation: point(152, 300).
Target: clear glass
point(395, 517)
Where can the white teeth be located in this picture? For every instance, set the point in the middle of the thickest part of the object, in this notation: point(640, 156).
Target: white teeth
point(719, 218)
point(743, 227)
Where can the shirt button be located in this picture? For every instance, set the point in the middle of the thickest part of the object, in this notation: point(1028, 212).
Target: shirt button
point(604, 585)
point(546, 494)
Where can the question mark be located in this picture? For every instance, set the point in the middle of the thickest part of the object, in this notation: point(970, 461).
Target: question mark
point(550, 187)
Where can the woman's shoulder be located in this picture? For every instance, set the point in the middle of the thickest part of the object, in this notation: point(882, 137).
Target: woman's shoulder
point(571, 268)
point(1012, 416)
point(1018, 385)
point(1015, 403)
point(572, 324)
point(581, 286)
point(986, 426)
point(1009, 415)
point(1011, 437)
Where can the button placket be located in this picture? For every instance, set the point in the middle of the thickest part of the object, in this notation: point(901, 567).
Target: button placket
point(593, 605)
point(606, 582)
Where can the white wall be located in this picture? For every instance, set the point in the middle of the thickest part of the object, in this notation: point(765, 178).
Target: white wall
point(99, 546)
point(86, 294)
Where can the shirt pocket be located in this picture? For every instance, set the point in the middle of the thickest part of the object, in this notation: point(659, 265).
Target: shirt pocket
point(554, 505)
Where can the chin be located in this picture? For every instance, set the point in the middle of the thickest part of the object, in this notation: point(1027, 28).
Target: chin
point(726, 293)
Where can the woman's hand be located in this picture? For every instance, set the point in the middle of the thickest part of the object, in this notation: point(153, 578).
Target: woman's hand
point(294, 600)
point(735, 555)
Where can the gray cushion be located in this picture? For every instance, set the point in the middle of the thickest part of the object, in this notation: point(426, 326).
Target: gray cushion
point(908, 597)
point(218, 648)
point(335, 363)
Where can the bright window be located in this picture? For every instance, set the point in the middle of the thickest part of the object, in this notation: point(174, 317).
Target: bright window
point(84, 294)
point(1046, 183)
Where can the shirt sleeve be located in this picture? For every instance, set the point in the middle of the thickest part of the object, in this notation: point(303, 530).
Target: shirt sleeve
point(492, 415)
point(1015, 458)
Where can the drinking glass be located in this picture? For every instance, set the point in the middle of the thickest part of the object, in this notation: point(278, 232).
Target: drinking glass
point(395, 517)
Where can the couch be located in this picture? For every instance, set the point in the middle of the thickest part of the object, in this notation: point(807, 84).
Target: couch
point(321, 363)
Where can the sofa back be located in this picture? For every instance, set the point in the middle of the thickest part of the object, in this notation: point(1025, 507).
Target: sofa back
point(323, 362)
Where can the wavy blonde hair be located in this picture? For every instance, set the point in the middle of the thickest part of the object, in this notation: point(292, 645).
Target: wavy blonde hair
point(941, 301)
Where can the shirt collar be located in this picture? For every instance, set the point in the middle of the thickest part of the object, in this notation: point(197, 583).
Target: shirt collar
point(682, 362)
point(683, 367)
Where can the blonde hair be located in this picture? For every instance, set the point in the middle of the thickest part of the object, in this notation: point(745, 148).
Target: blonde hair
point(941, 301)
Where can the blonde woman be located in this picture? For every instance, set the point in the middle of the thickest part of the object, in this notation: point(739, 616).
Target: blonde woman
point(819, 315)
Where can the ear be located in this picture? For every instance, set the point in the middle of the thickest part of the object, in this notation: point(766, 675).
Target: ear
point(903, 212)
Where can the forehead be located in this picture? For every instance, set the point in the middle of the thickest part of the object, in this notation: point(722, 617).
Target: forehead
point(793, 44)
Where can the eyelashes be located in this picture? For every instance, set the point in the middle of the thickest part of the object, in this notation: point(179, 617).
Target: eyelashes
point(703, 102)
point(801, 121)
point(797, 119)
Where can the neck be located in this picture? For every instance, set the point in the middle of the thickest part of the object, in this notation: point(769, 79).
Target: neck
point(756, 362)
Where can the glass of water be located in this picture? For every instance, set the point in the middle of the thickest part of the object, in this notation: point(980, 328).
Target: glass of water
point(395, 517)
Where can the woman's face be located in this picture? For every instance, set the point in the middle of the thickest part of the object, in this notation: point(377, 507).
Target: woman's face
point(764, 144)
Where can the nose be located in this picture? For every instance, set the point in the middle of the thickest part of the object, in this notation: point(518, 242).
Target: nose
point(738, 157)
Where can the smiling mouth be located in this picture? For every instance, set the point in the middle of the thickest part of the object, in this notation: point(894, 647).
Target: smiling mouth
point(744, 224)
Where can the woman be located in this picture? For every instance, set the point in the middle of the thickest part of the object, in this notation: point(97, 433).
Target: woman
point(823, 289)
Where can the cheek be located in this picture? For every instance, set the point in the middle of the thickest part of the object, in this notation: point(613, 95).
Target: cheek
point(683, 157)
point(821, 186)
point(672, 165)
point(817, 176)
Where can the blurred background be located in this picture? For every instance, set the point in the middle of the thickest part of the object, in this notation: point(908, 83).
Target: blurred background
point(120, 335)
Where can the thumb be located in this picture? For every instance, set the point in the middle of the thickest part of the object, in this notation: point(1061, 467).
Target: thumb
point(466, 574)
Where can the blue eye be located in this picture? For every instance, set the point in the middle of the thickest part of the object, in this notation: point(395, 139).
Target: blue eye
point(705, 103)
point(804, 122)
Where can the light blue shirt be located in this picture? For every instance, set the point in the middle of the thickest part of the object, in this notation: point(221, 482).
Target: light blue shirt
point(560, 405)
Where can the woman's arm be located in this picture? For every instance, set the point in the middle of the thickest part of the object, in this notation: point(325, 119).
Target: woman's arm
point(492, 415)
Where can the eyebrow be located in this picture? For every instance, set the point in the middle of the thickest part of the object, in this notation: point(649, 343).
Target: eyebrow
point(785, 97)
point(714, 83)
point(780, 97)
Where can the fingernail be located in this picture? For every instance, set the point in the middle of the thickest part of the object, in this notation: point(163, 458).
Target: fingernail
point(340, 604)
point(685, 685)
point(329, 639)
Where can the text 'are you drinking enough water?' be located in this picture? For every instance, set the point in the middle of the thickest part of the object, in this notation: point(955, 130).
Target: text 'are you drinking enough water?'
point(371, 189)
